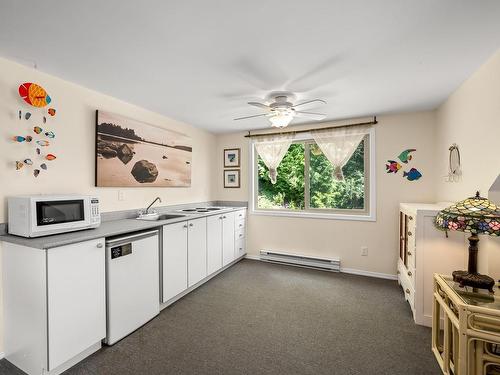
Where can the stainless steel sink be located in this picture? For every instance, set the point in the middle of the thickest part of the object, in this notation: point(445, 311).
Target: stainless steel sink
point(160, 217)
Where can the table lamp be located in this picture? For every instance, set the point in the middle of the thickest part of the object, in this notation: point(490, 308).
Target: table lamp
point(475, 215)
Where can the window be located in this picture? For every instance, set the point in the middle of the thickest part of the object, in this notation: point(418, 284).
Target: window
point(305, 184)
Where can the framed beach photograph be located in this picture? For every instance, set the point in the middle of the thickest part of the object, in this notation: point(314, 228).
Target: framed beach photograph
point(132, 153)
point(231, 178)
point(231, 157)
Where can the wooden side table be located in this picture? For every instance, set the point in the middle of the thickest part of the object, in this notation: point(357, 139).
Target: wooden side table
point(465, 328)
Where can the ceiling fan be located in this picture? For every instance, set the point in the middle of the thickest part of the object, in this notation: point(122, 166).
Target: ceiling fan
point(281, 111)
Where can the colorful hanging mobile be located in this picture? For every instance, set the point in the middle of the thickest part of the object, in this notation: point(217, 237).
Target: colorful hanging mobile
point(34, 94)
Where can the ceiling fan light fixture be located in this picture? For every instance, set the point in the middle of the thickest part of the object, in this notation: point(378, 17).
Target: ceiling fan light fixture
point(281, 120)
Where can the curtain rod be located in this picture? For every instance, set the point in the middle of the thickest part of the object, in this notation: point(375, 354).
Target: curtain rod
point(373, 122)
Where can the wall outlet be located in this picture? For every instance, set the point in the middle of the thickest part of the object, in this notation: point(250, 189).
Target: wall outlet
point(364, 251)
point(121, 195)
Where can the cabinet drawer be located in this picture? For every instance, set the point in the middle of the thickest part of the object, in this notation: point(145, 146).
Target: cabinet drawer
point(408, 289)
point(241, 214)
point(239, 224)
point(240, 248)
point(239, 234)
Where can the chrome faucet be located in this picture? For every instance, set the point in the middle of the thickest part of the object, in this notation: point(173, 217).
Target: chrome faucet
point(146, 211)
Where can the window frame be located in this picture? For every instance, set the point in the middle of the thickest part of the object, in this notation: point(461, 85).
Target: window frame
point(366, 214)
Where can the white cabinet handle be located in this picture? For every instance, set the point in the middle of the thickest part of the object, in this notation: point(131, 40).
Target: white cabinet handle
point(99, 245)
point(224, 217)
point(241, 225)
point(220, 218)
point(185, 226)
point(191, 224)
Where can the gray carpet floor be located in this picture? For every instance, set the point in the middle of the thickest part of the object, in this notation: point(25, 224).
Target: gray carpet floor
point(260, 318)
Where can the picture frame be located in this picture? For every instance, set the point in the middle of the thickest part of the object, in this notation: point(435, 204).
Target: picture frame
point(232, 157)
point(232, 178)
point(132, 153)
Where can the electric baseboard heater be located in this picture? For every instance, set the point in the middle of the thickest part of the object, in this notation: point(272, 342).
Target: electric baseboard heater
point(324, 264)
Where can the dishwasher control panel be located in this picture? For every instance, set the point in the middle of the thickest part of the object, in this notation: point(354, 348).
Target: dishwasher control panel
point(120, 251)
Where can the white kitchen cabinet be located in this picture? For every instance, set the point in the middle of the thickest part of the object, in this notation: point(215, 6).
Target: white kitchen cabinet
point(214, 243)
point(197, 250)
point(54, 305)
point(228, 241)
point(175, 259)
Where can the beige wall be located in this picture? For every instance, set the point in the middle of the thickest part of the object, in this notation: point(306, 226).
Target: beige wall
point(74, 124)
point(344, 239)
point(470, 117)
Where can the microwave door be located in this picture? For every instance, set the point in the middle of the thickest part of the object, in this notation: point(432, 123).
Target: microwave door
point(60, 213)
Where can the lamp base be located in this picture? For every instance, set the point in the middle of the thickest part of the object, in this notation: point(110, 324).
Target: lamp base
point(474, 280)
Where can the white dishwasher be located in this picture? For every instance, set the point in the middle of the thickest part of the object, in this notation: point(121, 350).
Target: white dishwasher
point(132, 283)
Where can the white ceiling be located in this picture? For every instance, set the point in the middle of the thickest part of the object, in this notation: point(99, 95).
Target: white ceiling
point(201, 61)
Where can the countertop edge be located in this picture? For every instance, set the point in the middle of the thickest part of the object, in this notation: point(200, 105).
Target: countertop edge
point(106, 229)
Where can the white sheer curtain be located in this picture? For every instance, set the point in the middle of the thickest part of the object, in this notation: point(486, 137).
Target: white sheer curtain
point(338, 145)
point(272, 149)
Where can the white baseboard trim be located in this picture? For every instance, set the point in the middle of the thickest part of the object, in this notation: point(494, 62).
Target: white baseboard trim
point(352, 271)
point(252, 257)
point(378, 275)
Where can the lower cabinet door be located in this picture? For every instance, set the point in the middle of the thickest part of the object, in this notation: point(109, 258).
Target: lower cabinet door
point(197, 250)
point(228, 234)
point(76, 299)
point(175, 259)
point(214, 243)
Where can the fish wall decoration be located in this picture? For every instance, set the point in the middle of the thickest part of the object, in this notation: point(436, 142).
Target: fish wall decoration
point(34, 94)
point(405, 155)
point(412, 175)
point(393, 166)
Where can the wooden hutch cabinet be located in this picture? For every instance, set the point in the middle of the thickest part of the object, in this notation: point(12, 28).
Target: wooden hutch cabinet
point(423, 251)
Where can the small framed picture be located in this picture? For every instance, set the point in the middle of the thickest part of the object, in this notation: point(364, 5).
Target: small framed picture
point(231, 157)
point(231, 178)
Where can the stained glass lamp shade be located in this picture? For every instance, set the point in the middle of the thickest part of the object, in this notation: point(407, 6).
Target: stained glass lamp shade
point(475, 215)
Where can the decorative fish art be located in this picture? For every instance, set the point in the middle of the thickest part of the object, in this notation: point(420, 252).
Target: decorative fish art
point(19, 138)
point(43, 166)
point(27, 115)
point(19, 165)
point(393, 166)
point(50, 134)
point(52, 111)
point(405, 155)
point(28, 161)
point(38, 151)
point(44, 119)
point(43, 143)
point(37, 129)
point(412, 175)
point(36, 172)
point(50, 157)
point(20, 114)
point(34, 94)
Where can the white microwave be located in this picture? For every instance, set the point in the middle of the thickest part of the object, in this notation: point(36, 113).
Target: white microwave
point(42, 215)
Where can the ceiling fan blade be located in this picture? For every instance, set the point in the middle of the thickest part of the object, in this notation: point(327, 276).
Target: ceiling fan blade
point(314, 101)
point(311, 115)
point(245, 117)
point(260, 105)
